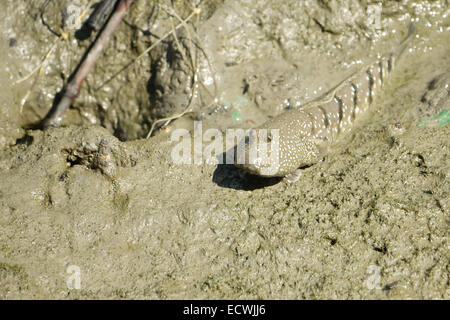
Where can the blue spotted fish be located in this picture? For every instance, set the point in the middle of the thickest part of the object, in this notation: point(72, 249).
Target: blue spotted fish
point(305, 133)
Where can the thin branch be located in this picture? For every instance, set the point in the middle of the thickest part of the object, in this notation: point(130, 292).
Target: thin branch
point(72, 89)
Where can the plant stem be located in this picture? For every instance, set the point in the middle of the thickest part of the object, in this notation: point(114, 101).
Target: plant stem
point(71, 91)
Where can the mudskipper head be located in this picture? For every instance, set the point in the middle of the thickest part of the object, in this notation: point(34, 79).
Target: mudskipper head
point(258, 153)
point(275, 149)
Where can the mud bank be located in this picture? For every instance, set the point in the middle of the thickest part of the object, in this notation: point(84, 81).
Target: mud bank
point(369, 221)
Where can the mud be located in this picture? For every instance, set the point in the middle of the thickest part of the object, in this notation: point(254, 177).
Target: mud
point(370, 221)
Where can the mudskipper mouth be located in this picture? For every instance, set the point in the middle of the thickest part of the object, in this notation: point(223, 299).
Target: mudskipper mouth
point(256, 167)
point(248, 168)
point(242, 154)
point(254, 154)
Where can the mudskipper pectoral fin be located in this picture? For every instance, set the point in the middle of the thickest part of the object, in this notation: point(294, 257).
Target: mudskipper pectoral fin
point(322, 147)
point(294, 176)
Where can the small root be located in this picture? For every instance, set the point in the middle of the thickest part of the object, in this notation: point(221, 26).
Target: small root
point(192, 62)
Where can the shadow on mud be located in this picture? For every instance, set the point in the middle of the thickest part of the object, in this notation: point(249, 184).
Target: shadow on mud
point(229, 176)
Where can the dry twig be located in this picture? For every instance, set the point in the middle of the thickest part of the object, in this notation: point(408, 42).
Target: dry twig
point(72, 89)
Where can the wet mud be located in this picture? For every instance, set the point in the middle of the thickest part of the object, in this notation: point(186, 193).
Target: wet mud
point(370, 221)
